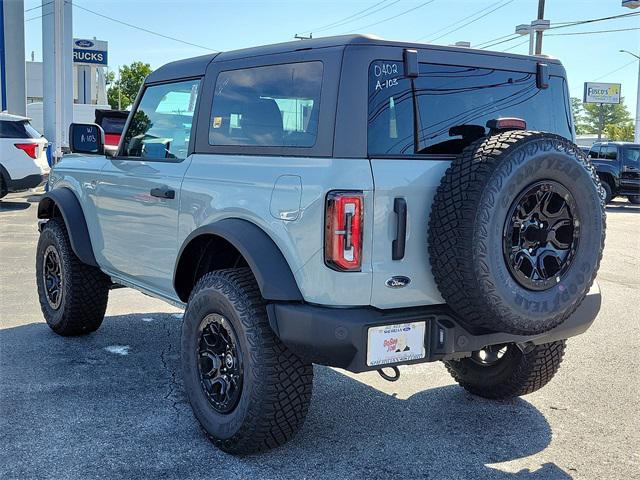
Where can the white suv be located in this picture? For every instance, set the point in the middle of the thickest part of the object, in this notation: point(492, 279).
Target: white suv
point(23, 155)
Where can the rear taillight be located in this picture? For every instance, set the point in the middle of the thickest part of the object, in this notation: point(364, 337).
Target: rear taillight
point(343, 231)
point(30, 149)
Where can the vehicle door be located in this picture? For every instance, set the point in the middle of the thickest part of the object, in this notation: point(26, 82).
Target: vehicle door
point(630, 172)
point(138, 192)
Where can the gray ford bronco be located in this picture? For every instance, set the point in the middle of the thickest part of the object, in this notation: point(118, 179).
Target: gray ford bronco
point(343, 201)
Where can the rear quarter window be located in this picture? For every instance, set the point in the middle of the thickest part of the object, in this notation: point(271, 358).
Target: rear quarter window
point(19, 129)
point(453, 105)
point(271, 106)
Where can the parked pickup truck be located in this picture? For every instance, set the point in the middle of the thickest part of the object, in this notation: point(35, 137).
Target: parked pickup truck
point(344, 201)
point(618, 167)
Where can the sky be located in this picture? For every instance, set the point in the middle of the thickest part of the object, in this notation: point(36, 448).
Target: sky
point(230, 24)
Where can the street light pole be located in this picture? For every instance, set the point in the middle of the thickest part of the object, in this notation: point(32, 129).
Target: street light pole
point(636, 137)
point(539, 32)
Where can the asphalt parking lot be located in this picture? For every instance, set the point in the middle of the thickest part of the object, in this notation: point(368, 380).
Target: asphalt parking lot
point(111, 405)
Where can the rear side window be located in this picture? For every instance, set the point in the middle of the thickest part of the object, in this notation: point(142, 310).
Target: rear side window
point(20, 129)
point(610, 152)
point(631, 156)
point(273, 106)
point(453, 105)
point(595, 151)
point(161, 125)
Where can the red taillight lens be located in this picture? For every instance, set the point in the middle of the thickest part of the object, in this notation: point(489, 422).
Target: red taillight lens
point(30, 149)
point(343, 231)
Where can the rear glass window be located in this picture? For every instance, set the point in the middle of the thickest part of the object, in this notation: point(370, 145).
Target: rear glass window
point(270, 106)
point(113, 125)
point(631, 156)
point(20, 129)
point(453, 105)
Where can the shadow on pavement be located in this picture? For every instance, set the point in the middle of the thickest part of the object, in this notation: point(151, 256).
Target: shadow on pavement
point(111, 405)
point(6, 206)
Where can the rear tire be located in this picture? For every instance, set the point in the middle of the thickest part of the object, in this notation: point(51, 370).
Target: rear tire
point(635, 199)
point(3, 187)
point(513, 375)
point(247, 390)
point(73, 295)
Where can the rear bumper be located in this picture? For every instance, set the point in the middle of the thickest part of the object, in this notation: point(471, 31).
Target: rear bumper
point(30, 181)
point(338, 337)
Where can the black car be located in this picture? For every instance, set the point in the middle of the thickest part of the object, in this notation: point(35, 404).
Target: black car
point(618, 166)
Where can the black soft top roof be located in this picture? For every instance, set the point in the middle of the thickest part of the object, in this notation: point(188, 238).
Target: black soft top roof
point(196, 66)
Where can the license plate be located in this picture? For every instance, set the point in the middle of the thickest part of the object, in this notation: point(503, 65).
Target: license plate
point(395, 343)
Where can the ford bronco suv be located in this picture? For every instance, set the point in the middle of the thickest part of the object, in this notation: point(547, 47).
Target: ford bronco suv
point(343, 201)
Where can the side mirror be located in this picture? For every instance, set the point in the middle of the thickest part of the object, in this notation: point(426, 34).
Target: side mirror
point(86, 138)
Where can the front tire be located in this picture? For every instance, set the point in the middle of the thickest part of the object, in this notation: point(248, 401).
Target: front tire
point(73, 295)
point(247, 390)
point(504, 371)
point(608, 192)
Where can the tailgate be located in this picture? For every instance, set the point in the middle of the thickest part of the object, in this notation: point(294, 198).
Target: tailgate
point(416, 182)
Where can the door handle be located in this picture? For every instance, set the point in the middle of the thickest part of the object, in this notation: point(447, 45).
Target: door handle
point(398, 245)
point(163, 192)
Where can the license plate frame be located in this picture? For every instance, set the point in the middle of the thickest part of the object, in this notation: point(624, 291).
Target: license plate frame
point(396, 343)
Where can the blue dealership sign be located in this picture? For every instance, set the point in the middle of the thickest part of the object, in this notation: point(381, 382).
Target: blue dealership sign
point(90, 52)
point(94, 57)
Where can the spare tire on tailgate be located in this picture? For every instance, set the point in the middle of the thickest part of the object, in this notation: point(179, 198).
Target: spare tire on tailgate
point(516, 232)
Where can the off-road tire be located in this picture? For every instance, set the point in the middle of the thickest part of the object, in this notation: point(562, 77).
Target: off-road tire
point(85, 289)
point(276, 385)
point(608, 192)
point(3, 187)
point(635, 199)
point(515, 374)
point(466, 231)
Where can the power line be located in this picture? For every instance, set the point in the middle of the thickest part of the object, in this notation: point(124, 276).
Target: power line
point(395, 16)
point(472, 21)
point(592, 20)
point(514, 35)
point(351, 18)
point(590, 32)
point(555, 26)
point(144, 29)
point(516, 46)
point(38, 6)
point(632, 62)
point(39, 16)
point(458, 22)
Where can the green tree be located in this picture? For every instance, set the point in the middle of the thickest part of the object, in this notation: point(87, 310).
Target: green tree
point(122, 92)
point(578, 116)
point(597, 117)
point(622, 132)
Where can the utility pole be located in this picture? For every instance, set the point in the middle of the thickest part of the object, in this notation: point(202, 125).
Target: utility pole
point(539, 32)
point(636, 138)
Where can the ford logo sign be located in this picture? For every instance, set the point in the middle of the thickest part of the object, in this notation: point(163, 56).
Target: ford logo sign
point(398, 282)
point(84, 43)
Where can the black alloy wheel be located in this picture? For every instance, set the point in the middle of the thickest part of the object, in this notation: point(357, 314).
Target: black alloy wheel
point(541, 235)
point(220, 363)
point(53, 278)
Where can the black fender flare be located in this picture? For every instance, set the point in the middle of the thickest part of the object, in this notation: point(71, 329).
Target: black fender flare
point(271, 270)
point(69, 207)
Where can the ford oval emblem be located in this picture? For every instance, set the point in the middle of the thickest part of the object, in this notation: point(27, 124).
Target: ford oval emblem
point(84, 43)
point(398, 282)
